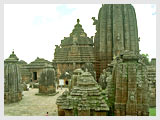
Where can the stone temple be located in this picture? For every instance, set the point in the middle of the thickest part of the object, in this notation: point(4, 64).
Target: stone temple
point(106, 75)
point(85, 99)
point(12, 80)
point(74, 51)
point(36, 67)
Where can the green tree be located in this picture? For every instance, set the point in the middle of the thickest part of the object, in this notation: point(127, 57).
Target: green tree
point(145, 58)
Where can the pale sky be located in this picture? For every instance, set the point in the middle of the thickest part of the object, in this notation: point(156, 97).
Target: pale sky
point(34, 30)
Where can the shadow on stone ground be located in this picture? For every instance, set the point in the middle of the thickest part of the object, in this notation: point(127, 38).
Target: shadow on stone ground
point(33, 105)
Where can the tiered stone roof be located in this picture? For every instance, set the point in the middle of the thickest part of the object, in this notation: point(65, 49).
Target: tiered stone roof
point(12, 58)
point(76, 48)
point(86, 95)
point(39, 63)
point(22, 62)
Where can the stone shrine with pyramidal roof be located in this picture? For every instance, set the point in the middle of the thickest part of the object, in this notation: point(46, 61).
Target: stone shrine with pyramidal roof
point(85, 99)
point(74, 51)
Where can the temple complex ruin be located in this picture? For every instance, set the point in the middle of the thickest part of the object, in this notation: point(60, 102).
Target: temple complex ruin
point(12, 80)
point(105, 75)
point(120, 69)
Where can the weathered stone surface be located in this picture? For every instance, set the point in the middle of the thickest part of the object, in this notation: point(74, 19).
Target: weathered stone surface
point(85, 97)
point(115, 50)
point(76, 74)
point(25, 73)
point(131, 86)
point(90, 67)
point(151, 75)
point(12, 80)
point(74, 51)
point(116, 31)
point(47, 82)
point(102, 79)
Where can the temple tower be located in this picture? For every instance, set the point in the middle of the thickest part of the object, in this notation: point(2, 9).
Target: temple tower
point(12, 80)
point(116, 31)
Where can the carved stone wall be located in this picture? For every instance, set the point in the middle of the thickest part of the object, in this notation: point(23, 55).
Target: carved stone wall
point(131, 89)
point(151, 73)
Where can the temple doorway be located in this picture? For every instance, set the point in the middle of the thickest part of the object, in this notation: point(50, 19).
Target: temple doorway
point(66, 82)
point(34, 75)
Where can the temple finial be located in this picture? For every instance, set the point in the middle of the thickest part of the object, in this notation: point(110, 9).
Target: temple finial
point(13, 51)
point(78, 21)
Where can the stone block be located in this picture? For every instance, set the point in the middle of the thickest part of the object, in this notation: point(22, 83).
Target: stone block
point(84, 113)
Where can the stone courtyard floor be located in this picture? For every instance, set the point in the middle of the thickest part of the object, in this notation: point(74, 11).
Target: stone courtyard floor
point(33, 105)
